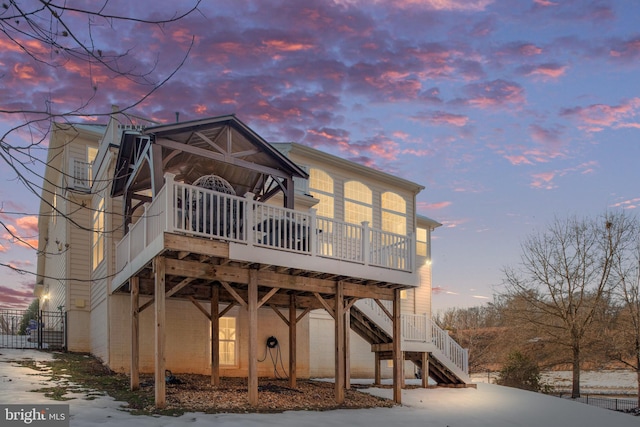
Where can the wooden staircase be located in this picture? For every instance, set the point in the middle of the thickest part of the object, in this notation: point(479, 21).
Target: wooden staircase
point(447, 361)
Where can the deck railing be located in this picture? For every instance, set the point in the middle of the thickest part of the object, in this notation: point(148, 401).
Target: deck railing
point(419, 328)
point(184, 208)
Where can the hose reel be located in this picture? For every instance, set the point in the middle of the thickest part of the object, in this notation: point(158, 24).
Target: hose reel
point(272, 342)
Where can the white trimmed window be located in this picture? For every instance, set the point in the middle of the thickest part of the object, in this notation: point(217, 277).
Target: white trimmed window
point(321, 187)
point(97, 225)
point(394, 213)
point(421, 242)
point(358, 200)
point(227, 349)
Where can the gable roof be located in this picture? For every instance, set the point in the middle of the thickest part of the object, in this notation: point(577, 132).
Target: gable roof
point(221, 145)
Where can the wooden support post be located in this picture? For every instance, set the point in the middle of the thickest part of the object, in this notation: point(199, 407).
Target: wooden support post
point(347, 348)
point(160, 386)
point(135, 333)
point(377, 377)
point(425, 370)
point(252, 307)
point(292, 341)
point(398, 361)
point(215, 336)
point(339, 334)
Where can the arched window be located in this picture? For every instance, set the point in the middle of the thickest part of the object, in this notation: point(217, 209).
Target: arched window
point(394, 213)
point(358, 202)
point(321, 187)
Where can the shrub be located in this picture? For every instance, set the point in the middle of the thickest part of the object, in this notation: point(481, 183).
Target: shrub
point(520, 372)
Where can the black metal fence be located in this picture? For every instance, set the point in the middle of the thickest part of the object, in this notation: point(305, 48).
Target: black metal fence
point(614, 404)
point(28, 329)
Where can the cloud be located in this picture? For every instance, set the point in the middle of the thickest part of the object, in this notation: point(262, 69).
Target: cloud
point(453, 223)
point(18, 237)
point(628, 204)
point(518, 159)
point(544, 71)
point(549, 145)
point(545, 136)
point(448, 5)
point(439, 290)
point(597, 117)
point(625, 50)
point(480, 297)
point(496, 93)
point(575, 11)
point(545, 3)
point(434, 206)
point(18, 296)
point(545, 180)
point(519, 50)
point(379, 146)
point(443, 118)
point(327, 136)
point(28, 223)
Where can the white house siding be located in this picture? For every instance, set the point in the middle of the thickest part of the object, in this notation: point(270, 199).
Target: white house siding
point(99, 322)
point(79, 289)
point(362, 361)
point(56, 261)
point(423, 293)
point(188, 339)
point(99, 331)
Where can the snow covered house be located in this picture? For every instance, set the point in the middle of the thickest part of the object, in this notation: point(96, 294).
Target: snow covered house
point(197, 247)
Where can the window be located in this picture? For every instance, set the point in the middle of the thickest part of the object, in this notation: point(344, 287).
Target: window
point(321, 187)
point(421, 242)
point(97, 225)
point(357, 203)
point(227, 350)
point(394, 213)
point(92, 152)
point(54, 203)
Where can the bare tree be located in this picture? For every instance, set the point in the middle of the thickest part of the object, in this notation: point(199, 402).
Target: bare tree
point(46, 39)
point(564, 278)
point(479, 329)
point(623, 339)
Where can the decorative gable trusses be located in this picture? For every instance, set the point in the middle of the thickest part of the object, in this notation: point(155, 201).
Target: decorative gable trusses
point(222, 146)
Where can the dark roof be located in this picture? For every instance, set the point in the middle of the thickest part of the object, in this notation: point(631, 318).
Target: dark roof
point(236, 154)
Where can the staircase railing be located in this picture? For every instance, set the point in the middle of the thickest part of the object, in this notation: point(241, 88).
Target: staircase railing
point(449, 347)
point(418, 328)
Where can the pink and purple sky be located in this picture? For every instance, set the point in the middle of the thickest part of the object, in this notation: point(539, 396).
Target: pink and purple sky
point(509, 112)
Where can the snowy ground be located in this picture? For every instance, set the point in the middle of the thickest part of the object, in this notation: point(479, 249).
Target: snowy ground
point(17, 341)
point(617, 383)
point(488, 406)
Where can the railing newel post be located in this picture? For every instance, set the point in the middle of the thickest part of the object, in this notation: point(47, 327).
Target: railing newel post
point(250, 234)
point(313, 232)
point(366, 242)
point(170, 205)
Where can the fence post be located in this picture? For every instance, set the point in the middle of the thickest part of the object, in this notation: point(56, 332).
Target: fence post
point(40, 325)
point(65, 333)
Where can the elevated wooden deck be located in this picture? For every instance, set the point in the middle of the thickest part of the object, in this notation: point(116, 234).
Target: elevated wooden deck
point(201, 245)
point(189, 225)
